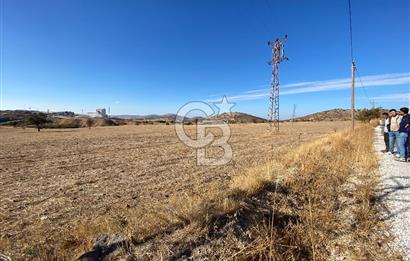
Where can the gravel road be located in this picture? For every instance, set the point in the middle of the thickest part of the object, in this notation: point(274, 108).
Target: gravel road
point(395, 194)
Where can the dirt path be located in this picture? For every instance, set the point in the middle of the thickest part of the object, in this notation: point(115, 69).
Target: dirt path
point(395, 193)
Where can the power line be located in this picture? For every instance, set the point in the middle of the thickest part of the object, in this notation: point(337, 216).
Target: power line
point(353, 65)
point(268, 26)
point(351, 31)
point(363, 87)
point(1, 53)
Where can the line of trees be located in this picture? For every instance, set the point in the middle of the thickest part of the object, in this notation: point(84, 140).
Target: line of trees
point(40, 119)
point(366, 115)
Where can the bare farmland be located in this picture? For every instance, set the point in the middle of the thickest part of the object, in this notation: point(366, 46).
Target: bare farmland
point(54, 178)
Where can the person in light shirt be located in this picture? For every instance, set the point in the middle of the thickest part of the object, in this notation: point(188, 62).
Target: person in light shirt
point(393, 127)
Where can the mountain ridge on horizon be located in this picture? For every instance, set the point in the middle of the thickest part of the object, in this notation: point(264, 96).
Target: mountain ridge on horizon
point(331, 115)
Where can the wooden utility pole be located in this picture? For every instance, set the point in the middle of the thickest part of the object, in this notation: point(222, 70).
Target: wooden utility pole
point(353, 69)
point(352, 58)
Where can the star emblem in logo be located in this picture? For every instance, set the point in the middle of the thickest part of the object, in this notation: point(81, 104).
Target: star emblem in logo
point(224, 106)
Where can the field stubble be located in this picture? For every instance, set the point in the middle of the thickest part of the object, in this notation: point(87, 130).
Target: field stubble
point(54, 184)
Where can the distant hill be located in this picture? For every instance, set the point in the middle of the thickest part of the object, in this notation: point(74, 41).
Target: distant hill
point(14, 115)
point(66, 118)
point(329, 115)
point(238, 117)
point(156, 117)
point(234, 117)
point(19, 115)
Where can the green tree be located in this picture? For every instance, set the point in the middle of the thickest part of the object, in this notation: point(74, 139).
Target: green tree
point(37, 119)
point(90, 123)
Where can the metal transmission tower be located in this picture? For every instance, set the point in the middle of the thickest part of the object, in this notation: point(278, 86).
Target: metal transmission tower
point(294, 112)
point(278, 56)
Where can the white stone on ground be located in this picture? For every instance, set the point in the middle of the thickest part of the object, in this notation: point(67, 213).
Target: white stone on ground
point(395, 194)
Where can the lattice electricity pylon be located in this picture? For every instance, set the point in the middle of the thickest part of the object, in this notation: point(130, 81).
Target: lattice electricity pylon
point(294, 112)
point(278, 55)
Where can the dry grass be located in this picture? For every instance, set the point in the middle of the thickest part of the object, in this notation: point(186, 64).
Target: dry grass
point(53, 180)
point(315, 201)
point(321, 207)
point(330, 190)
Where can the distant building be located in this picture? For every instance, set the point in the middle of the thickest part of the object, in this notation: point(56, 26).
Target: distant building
point(99, 113)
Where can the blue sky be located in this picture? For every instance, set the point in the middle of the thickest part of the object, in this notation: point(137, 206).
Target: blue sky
point(143, 57)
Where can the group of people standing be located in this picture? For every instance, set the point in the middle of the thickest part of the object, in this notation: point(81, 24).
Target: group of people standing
point(396, 131)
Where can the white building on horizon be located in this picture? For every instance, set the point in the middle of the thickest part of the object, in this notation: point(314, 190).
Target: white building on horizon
point(99, 113)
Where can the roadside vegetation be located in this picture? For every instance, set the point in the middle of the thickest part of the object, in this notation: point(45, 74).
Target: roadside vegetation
point(366, 115)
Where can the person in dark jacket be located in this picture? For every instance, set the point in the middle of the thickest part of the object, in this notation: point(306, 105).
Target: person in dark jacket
point(384, 125)
point(404, 131)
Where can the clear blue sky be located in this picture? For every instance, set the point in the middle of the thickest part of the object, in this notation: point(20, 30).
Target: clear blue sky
point(142, 57)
